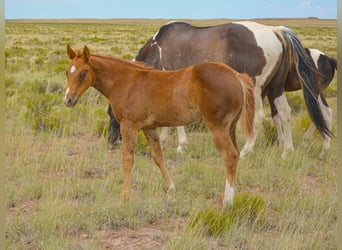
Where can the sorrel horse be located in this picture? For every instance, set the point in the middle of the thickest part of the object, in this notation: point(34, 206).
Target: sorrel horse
point(266, 53)
point(143, 98)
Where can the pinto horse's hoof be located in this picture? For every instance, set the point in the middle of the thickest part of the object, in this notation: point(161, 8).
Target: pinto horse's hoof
point(182, 147)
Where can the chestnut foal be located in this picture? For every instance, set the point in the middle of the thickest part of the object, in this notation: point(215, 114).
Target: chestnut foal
point(145, 98)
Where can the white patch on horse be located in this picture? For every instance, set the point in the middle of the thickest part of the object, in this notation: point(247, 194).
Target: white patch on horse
point(268, 41)
point(328, 116)
point(182, 139)
point(66, 95)
point(159, 48)
point(72, 69)
point(277, 122)
point(171, 22)
point(228, 195)
point(284, 112)
point(315, 54)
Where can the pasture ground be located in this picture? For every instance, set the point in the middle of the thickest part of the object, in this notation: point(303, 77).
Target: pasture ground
point(63, 182)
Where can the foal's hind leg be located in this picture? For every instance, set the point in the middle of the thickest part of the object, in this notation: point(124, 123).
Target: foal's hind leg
point(157, 155)
point(225, 142)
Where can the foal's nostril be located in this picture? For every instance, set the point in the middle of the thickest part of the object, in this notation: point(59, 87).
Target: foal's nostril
point(70, 101)
point(67, 101)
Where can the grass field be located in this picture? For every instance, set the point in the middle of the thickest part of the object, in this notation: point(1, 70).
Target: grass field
point(63, 183)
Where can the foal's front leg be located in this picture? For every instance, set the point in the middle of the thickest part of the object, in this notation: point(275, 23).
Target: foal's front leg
point(129, 137)
point(157, 155)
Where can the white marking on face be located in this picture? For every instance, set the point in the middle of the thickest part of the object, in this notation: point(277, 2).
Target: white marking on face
point(72, 69)
point(228, 194)
point(66, 95)
point(67, 91)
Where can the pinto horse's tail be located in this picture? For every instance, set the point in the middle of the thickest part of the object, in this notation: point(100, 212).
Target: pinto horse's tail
point(306, 74)
point(248, 109)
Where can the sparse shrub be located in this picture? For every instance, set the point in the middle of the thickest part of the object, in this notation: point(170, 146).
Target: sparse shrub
point(43, 105)
point(40, 114)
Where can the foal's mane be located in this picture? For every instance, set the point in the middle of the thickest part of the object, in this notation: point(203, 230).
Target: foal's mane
point(136, 64)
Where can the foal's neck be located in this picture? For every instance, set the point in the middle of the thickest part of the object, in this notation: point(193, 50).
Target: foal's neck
point(111, 73)
point(105, 77)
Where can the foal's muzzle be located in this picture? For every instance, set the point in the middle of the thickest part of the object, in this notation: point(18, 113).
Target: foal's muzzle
point(70, 100)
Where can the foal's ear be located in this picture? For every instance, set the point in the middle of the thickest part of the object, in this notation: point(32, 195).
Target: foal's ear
point(71, 53)
point(86, 53)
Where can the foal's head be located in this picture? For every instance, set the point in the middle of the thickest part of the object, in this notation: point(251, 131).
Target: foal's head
point(79, 74)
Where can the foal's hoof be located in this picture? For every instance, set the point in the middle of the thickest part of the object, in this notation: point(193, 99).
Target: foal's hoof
point(124, 196)
point(171, 189)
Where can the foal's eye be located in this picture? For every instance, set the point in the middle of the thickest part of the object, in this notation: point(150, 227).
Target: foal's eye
point(83, 74)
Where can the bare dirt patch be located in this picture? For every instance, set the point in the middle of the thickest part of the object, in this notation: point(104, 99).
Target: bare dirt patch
point(151, 237)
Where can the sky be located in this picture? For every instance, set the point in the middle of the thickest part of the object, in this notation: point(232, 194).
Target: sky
point(170, 9)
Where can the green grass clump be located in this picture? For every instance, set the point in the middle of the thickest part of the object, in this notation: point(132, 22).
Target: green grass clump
point(40, 114)
point(245, 208)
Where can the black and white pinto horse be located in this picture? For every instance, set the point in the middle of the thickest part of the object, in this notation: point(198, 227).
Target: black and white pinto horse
point(269, 54)
point(326, 67)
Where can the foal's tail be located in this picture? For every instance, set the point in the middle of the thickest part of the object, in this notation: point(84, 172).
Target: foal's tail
point(306, 74)
point(248, 109)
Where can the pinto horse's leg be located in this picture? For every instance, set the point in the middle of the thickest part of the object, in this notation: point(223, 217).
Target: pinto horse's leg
point(163, 135)
point(182, 139)
point(284, 112)
point(157, 155)
point(129, 138)
point(328, 116)
point(276, 119)
point(114, 128)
